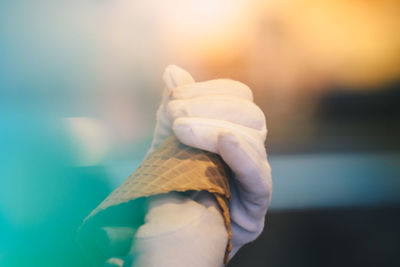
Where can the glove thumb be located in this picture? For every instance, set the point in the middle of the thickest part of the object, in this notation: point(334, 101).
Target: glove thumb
point(175, 76)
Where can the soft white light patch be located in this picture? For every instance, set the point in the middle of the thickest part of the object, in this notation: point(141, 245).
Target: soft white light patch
point(91, 138)
point(202, 17)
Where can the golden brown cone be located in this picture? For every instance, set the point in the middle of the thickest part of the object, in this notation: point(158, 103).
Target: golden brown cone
point(173, 167)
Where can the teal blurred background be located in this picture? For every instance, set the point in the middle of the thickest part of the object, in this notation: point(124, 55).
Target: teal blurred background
point(80, 82)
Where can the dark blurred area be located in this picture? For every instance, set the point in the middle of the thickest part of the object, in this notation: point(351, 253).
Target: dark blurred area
point(346, 121)
point(80, 82)
point(337, 237)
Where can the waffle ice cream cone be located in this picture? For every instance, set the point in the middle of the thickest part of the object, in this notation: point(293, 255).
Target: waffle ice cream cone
point(172, 167)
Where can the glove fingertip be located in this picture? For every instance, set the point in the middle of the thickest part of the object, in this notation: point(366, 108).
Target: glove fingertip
point(191, 133)
point(183, 131)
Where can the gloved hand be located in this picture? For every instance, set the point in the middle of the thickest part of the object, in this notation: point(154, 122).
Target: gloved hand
point(219, 116)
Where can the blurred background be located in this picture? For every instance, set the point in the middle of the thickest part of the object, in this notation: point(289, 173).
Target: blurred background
point(80, 82)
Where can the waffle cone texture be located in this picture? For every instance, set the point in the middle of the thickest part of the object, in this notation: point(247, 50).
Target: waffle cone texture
point(172, 167)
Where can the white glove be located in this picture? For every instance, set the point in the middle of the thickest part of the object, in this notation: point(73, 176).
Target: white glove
point(179, 231)
point(219, 116)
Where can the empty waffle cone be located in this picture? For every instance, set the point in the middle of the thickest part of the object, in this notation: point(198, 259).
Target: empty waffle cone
point(172, 167)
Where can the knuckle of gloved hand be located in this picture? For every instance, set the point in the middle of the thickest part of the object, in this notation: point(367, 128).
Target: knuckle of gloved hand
point(260, 116)
point(250, 230)
point(259, 119)
point(259, 229)
point(256, 195)
point(262, 135)
point(238, 86)
point(256, 225)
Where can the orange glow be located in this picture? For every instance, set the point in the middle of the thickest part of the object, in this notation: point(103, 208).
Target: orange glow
point(354, 43)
